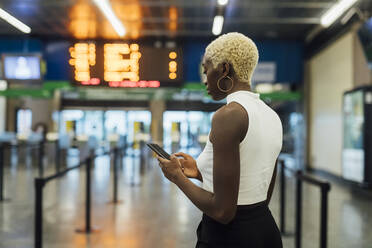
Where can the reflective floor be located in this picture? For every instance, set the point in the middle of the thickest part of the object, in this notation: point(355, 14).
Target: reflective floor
point(153, 212)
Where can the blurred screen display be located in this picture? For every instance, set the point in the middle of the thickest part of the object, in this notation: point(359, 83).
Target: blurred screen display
point(353, 150)
point(125, 65)
point(21, 67)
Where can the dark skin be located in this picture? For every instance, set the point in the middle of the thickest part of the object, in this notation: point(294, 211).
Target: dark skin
point(229, 127)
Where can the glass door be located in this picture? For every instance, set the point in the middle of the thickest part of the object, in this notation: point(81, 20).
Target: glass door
point(186, 130)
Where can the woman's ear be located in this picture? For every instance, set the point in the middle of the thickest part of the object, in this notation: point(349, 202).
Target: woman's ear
point(225, 68)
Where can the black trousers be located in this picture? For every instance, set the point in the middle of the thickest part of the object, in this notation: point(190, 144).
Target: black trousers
point(251, 228)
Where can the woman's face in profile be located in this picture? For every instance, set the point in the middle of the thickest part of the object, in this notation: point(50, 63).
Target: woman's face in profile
point(210, 78)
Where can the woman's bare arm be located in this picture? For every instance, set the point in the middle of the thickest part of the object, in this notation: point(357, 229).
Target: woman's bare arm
point(228, 128)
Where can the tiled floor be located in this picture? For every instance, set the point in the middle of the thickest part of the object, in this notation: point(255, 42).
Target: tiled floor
point(154, 213)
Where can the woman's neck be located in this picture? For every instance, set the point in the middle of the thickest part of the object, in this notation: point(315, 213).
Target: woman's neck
point(240, 86)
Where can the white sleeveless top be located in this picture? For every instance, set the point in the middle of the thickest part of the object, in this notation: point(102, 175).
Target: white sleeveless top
point(258, 151)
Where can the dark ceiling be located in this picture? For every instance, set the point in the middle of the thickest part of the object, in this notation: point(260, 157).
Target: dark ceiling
point(274, 19)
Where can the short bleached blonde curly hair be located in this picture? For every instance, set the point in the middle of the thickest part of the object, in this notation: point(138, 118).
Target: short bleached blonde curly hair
point(236, 49)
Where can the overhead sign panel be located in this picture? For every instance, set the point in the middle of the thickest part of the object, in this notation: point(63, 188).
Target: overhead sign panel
point(125, 65)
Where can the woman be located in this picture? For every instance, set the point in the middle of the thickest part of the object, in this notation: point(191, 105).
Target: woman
point(237, 166)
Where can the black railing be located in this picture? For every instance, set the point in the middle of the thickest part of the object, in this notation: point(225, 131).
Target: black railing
point(6, 145)
point(282, 197)
point(41, 182)
point(41, 158)
point(115, 175)
point(300, 178)
point(88, 199)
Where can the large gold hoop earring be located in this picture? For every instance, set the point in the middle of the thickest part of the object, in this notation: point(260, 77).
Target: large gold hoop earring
point(219, 87)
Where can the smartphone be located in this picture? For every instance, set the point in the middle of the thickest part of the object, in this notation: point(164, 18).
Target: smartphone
point(158, 150)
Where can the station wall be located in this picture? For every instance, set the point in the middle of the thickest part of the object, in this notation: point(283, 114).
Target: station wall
point(337, 68)
point(41, 111)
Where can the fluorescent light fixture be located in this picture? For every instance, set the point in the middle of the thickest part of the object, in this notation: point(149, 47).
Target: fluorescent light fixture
point(222, 2)
point(348, 16)
point(14, 21)
point(105, 7)
point(217, 25)
point(335, 12)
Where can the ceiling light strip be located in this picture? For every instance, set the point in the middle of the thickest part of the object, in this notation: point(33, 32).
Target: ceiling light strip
point(217, 25)
point(14, 21)
point(105, 7)
point(222, 2)
point(218, 19)
point(335, 12)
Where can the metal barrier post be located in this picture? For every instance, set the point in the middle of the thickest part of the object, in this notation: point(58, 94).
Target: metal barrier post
point(324, 215)
point(41, 156)
point(115, 184)
point(123, 151)
point(125, 146)
point(39, 184)
point(92, 153)
point(142, 157)
point(1, 172)
point(282, 196)
point(116, 163)
point(298, 210)
point(57, 156)
point(88, 199)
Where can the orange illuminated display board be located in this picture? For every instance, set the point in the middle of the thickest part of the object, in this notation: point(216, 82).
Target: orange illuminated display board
point(125, 65)
point(83, 56)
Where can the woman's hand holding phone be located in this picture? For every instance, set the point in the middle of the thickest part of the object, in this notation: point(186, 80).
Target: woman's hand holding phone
point(189, 164)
